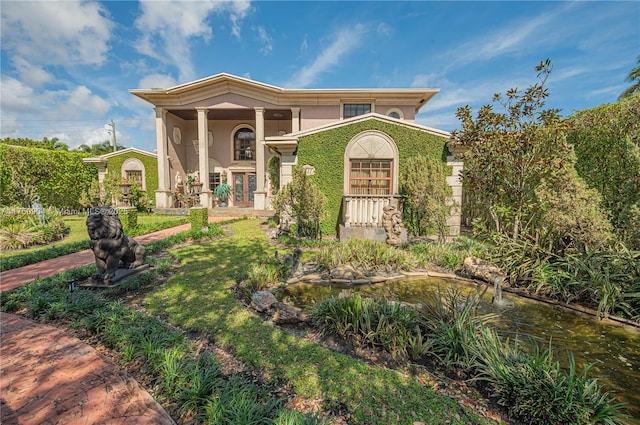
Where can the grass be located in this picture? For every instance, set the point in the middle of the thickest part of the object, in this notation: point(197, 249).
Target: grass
point(183, 377)
point(199, 297)
point(78, 240)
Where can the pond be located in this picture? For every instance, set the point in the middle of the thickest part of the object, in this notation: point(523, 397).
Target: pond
point(614, 350)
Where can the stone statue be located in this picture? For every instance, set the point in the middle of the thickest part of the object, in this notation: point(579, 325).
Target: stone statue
point(37, 208)
point(112, 249)
point(392, 223)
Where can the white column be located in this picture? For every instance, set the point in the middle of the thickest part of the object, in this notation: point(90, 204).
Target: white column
point(203, 157)
point(454, 221)
point(260, 194)
point(295, 119)
point(163, 199)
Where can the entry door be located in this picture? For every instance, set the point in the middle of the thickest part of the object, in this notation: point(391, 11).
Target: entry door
point(244, 184)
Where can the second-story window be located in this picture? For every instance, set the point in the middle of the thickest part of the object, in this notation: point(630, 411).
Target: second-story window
point(244, 144)
point(354, 109)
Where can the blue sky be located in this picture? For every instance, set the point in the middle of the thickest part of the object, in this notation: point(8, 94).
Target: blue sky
point(67, 66)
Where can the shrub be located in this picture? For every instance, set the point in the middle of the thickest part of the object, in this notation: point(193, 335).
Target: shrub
point(362, 253)
point(534, 388)
point(376, 321)
point(199, 218)
point(427, 193)
point(22, 229)
point(303, 202)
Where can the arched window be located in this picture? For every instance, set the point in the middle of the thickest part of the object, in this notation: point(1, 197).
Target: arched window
point(371, 164)
point(395, 113)
point(133, 170)
point(244, 144)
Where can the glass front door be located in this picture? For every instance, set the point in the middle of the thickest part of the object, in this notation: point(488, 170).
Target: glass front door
point(244, 185)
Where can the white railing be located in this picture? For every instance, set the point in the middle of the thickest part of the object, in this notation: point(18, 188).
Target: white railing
point(367, 210)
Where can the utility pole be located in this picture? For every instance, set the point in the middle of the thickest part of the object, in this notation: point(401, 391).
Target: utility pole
point(113, 135)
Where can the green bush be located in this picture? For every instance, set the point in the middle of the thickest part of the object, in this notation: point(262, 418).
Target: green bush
point(21, 228)
point(535, 390)
point(57, 176)
point(606, 140)
point(199, 218)
point(366, 254)
point(128, 217)
point(376, 321)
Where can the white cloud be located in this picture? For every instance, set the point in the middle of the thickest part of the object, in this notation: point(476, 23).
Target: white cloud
point(515, 37)
point(266, 40)
point(156, 81)
point(31, 74)
point(168, 27)
point(16, 96)
point(344, 42)
point(56, 33)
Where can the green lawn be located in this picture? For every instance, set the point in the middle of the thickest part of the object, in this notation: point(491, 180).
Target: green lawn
point(78, 239)
point(199, 297)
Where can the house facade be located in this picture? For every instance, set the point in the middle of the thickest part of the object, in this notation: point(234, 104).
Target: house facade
point(226, 129)
point(130, 164)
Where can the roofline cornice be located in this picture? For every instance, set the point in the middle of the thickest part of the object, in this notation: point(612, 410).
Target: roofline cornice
point(221, 84)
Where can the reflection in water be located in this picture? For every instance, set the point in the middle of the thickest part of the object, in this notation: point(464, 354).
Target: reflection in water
point(614, 351)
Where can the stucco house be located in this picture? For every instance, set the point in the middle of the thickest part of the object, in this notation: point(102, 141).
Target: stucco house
point(226, 128)
point(130, 164)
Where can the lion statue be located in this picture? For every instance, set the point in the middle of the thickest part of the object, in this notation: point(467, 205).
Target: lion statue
point(110, 246)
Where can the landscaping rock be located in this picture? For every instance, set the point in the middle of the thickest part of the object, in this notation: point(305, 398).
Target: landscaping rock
point(285, 313)
point(262, 300)
point(477, 268)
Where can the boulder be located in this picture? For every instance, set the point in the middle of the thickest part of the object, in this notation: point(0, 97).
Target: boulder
point(477, 268)
point(285, 313)
point(262, 300)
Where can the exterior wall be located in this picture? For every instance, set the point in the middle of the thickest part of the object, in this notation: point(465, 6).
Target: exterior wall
point(325, 151)
point(114, 165)
point(315, 116)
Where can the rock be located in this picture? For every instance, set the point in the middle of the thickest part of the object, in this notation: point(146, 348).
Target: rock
point(343, 272)
point(477, 268)
point(312, 278)
point(262, 300)
point(285, 313)
point(378, 279)
point(310, 267)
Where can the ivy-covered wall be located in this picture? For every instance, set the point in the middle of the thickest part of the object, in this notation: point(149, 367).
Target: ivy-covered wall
point(114, 165)
point(325, 151)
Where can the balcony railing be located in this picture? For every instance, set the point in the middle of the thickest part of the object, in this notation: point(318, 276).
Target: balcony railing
point(367, 210)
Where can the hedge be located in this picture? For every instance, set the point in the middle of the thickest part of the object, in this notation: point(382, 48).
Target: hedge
point(67, 177)
point(325, 151)
point(606, 140)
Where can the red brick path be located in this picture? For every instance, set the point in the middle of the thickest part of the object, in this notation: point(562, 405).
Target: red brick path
point(48, 377)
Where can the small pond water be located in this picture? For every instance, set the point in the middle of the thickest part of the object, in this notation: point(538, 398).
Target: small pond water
point(614, 349)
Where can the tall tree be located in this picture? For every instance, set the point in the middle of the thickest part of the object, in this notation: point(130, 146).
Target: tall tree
point(511, 156)
point(633, 77)
point(99, 148)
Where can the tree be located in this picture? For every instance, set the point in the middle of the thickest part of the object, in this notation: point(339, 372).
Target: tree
point(99, 148)
point(633, 77)
point(53, 144)
point(427, 194)
point(302, 201)
point(510, 155)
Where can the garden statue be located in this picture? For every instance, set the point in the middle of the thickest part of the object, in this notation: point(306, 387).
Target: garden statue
point(112, 249)
point(392, 223)
point(37, 208)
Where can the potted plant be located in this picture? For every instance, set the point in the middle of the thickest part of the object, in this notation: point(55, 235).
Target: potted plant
point(222, 192)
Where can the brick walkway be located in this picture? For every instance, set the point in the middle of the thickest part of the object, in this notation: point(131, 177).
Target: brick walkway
point(48, 377)
point(14, 278)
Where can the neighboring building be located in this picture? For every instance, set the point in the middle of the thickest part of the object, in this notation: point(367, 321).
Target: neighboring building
point(226, 128)
point(133, 164)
